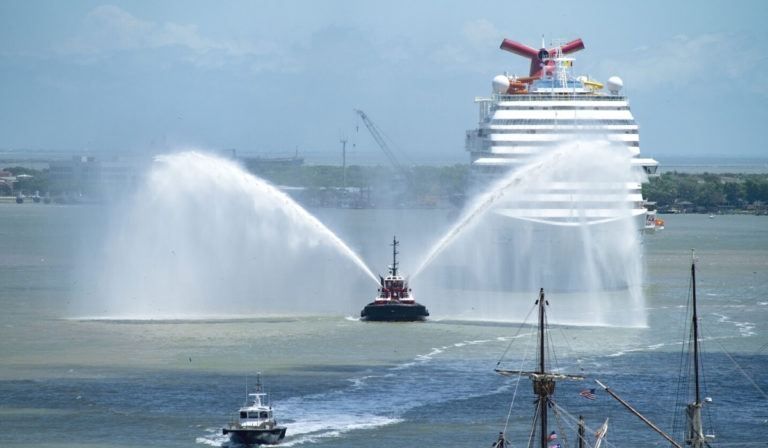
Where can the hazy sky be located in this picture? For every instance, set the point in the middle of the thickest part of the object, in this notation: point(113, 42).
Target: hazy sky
point(276, 76)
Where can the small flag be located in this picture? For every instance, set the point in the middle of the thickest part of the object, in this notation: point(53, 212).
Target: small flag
point(552, 436)
point(589, 394)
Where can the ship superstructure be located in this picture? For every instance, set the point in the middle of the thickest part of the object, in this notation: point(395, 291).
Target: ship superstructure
point(528, 116)
point(394, 301)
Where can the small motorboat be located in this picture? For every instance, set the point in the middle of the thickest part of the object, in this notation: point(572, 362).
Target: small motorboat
point(394, 302)
point(255, 423)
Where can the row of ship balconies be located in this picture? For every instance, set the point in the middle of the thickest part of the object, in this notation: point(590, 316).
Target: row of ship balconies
point(538, 98)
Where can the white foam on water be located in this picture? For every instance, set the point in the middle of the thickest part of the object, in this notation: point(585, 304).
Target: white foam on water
point(214, 437)
point(314, 417)
point(745, 328)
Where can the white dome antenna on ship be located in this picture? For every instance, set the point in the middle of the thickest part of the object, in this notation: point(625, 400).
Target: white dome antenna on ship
point(615, 84)
point(500, 84)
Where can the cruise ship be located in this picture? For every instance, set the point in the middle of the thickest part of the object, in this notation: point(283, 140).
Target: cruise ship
point(528, 116)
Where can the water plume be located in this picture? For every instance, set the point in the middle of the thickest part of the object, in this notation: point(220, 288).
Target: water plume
point(565, 222)
point(204, 238)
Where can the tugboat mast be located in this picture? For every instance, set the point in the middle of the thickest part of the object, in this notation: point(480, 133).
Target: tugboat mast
point(393, 267)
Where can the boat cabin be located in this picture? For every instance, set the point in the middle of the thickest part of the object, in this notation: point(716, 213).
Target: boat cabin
point(253, 415)
point(394, 287)
point(256, 414)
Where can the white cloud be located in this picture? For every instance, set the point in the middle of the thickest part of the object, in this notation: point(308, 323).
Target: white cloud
point(108, 29)
point(474, 49)
point(700, 61)
point(482, 33)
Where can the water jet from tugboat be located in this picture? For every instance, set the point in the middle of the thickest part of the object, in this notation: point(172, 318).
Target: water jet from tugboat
point(204, 238)
point(498, 249)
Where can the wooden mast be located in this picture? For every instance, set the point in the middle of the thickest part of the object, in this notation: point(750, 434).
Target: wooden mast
point(541, 383)
point(695, 437)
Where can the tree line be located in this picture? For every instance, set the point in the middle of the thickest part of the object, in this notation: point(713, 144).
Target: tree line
point(437, 184)
point(707, 190)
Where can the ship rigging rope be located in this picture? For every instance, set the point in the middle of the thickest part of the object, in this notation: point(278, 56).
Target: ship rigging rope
point(572, 423)
point(517, 385)
point(684, 369)
point(738, 367)
point(533, 423)
point(525, 321)
point(563, 434)
point(551, 344)
point(706, 388)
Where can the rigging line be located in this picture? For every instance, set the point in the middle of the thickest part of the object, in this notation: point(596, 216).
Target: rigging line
point(742, 371)
point(551, 344)
point(573, 418)
point(517, 385)
point(705, 387)
point(533, 423)
point(525, 321)
point(563, 434)
point(567, 342)
point(684, 367)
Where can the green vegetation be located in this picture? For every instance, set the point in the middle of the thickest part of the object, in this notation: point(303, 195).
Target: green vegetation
point(423, 186)
point(28, 181)
point(437, 186)
point(424, 179)
point(708, 192)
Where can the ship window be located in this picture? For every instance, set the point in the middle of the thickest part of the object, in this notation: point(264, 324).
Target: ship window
point(243, 415)
point(264, 414)
point(253, 415)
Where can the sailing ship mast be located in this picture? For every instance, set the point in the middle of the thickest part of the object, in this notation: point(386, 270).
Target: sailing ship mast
point(694, 436)
point(543, 381)
point(695, 433)
point(543, 386)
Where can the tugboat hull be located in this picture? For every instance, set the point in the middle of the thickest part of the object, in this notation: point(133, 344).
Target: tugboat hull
point(243, 436)
point(394, 312)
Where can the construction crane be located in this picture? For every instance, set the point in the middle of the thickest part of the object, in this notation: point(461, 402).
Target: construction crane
point(376, 134)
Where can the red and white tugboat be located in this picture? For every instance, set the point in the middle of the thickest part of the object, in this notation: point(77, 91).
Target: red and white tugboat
point(394, 302)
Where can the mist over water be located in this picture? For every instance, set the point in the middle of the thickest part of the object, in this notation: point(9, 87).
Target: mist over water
point(204, 238)
point(491, 264)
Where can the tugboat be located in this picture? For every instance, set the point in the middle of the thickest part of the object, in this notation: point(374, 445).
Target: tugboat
point(394, 302)
point(255, 423)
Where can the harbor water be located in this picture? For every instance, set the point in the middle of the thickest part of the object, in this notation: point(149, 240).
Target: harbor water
point(75, 377)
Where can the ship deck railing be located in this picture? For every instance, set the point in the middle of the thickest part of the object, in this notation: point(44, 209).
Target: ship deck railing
point(556, 97)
